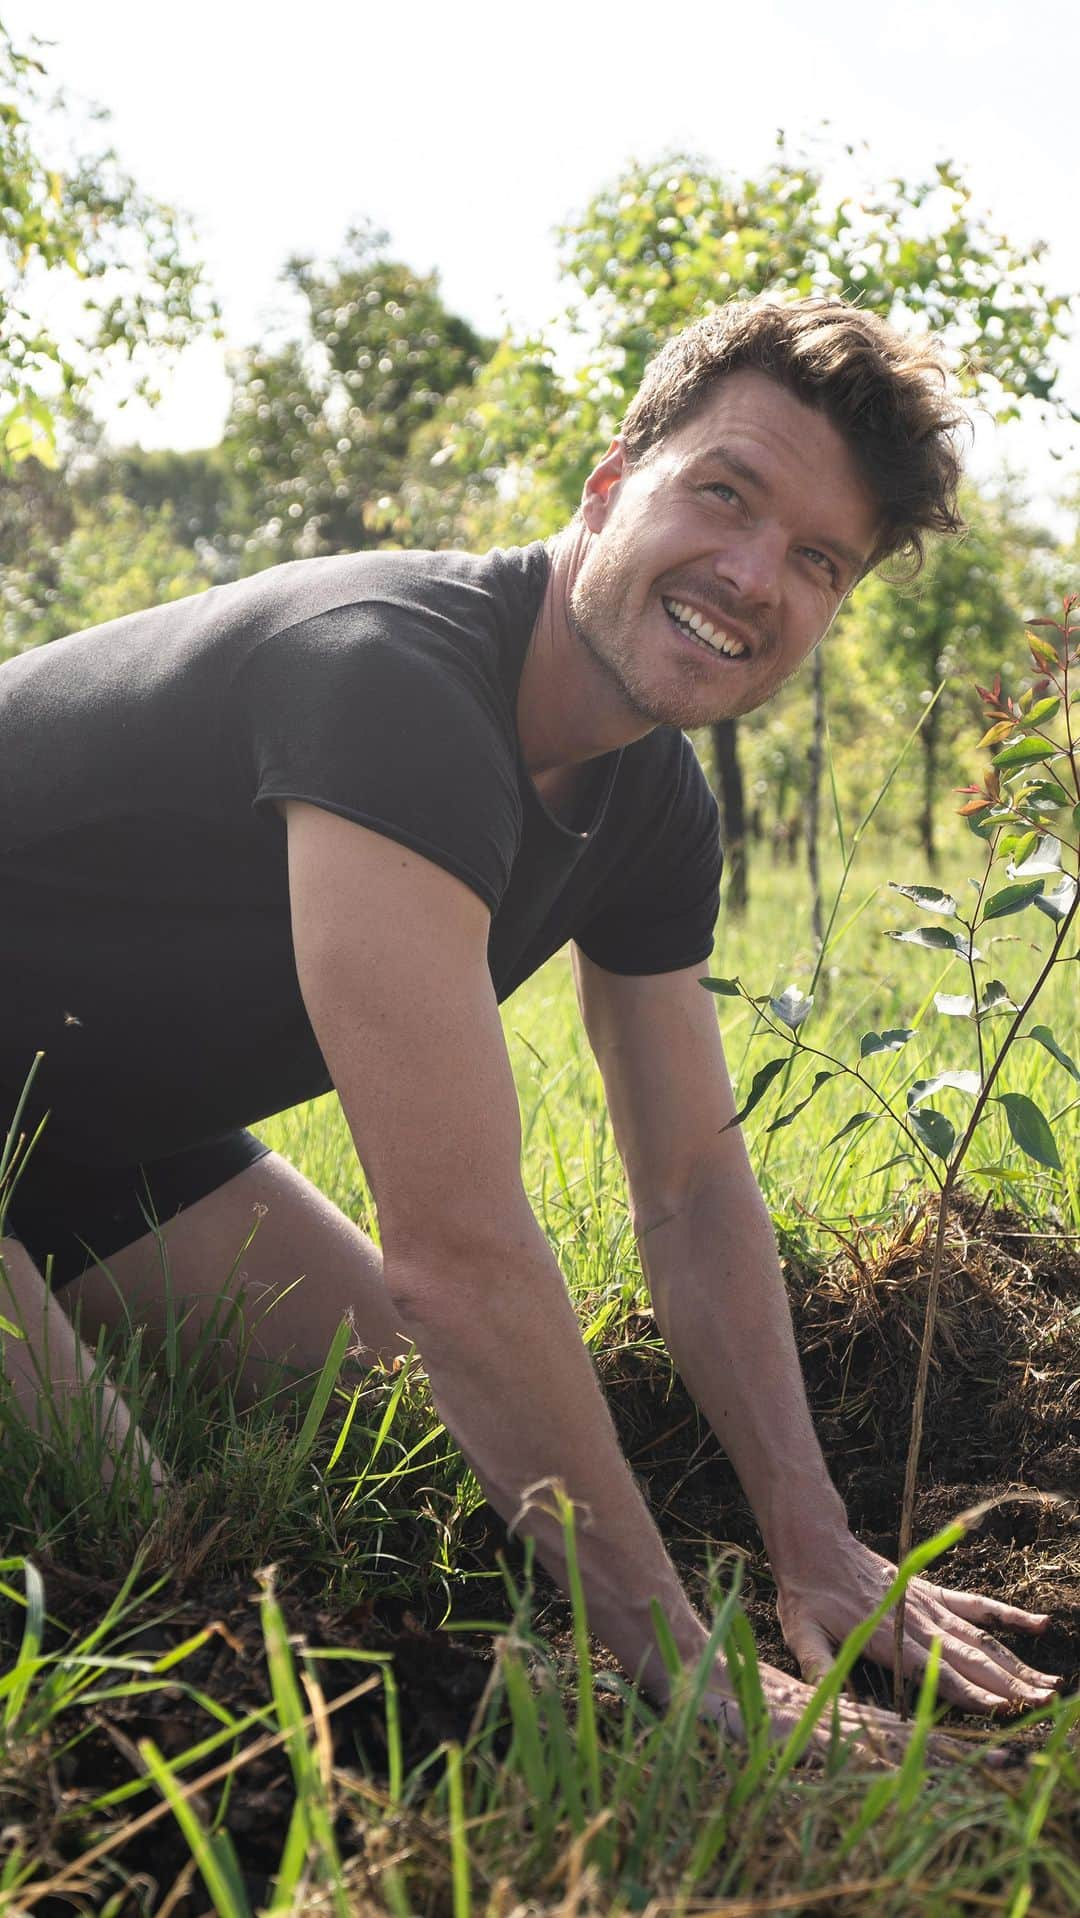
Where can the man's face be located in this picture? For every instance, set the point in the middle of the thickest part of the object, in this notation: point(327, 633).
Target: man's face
point(750, 521)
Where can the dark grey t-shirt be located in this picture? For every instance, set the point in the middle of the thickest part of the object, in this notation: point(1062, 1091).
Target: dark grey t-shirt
point(146, 943)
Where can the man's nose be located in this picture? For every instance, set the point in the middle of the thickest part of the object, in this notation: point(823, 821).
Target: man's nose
point(752, 566)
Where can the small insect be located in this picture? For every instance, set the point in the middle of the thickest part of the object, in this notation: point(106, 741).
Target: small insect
point(71, 1020)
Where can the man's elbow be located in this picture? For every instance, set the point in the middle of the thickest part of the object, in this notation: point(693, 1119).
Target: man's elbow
point(440, 1271)
point(699, 1213)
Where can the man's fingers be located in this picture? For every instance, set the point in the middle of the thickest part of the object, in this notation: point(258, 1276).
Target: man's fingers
point(989, 1611)
point(926, 1619)
point(980, 1676)
point(813, 1650)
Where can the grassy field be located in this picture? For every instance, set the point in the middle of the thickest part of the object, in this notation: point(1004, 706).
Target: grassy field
point(320, 1680)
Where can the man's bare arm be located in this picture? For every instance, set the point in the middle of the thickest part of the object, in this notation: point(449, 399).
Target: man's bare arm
point(392, 958)
point(709, 1254)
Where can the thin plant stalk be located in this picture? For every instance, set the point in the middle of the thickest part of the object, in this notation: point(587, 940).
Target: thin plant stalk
point(922, 1376)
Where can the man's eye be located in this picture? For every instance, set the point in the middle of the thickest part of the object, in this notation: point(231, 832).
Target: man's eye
point(726, 492)
point(823, 561)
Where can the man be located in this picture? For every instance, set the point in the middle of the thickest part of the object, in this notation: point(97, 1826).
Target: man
point(307, 829)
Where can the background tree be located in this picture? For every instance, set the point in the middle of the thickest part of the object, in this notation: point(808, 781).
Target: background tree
point(957, 622)
point(666, 242)
point(320, 425)
point(72, 216)
point(112, 557)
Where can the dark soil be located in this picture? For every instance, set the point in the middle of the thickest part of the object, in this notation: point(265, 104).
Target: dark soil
point(1001, 1417)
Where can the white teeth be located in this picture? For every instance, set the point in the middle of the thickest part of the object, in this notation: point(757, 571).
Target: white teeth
point(720, 643)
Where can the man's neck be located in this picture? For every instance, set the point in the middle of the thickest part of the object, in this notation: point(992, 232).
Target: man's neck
point(568, 711)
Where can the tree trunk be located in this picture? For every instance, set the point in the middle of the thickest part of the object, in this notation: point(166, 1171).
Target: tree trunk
point(732, 798)
point(814, 764)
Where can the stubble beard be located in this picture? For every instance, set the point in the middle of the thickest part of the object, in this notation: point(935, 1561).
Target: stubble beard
point(601, 621)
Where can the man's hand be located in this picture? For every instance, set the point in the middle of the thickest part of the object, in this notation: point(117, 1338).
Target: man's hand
point(710, 1258)
point(876, 1734)
point(834, 1590)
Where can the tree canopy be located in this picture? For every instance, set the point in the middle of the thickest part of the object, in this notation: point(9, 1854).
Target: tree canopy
point(79, 236)
point(667, 242)
point(321, 423)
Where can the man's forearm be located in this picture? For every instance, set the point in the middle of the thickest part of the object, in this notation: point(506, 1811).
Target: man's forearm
point(720, 1303)
point(512, 1380)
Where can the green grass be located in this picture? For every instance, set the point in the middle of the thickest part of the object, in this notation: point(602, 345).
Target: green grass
point(568, 1792)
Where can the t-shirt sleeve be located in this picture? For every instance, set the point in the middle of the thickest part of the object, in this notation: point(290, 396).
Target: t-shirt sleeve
point(370, 711)
point(662, 914)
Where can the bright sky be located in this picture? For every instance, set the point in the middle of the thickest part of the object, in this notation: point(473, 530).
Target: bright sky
point(470, 132)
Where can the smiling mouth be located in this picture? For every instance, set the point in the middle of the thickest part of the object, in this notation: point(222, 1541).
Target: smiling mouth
point(693, 626)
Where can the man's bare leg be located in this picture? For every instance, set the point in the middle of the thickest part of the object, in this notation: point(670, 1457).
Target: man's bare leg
point(49, 1368)
point(305, 1269)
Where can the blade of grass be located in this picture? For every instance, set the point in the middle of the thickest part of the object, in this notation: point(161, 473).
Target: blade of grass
point(587, 1745)
point(459, 1844)
point(212, 1851)
point(28, 1661)
point(320, 1397)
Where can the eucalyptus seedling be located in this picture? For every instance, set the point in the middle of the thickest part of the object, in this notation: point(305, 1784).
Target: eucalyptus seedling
point(1026, 813)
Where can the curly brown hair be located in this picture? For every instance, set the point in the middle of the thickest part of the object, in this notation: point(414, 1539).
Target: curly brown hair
point(888, 396)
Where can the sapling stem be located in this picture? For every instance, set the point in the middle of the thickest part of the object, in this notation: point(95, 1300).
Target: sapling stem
point(1025, 809)
point(849, 860)
point(911, 1470)
point(987, 1082)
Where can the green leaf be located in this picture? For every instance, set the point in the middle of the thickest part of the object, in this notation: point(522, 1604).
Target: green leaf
point(1017, 845)
point(727, 988)
point(898, 1158)
point(1008, 843)
point(933, 1130)
point(1012, 899)
point(819, 1080)
point(857, 1119)
point(1045, 795)
point(938, 939)
point(792, 1006)
point(1046, 1038)
point(986, 823)
point(1076, 818)
point(1043, 650)
point(889, 1041)
point(996, 998)
point(1024, 752)
point(958, 1005)
point(1043, 709)
point(1030, 1129)
point(1058, 902)
point(921, 1089)
point(759, 1086)
point(1040, 863)
point(928, 898)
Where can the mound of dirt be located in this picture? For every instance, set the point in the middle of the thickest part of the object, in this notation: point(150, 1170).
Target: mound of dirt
point(1001, 1413)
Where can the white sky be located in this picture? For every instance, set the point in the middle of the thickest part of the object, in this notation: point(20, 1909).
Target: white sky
point(470, 132)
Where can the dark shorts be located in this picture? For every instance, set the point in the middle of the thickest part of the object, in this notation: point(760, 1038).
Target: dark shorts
point(81, 1215)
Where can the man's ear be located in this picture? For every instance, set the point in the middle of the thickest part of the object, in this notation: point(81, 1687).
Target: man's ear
point(596, 493)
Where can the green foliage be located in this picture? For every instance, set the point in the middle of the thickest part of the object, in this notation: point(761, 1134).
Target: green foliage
point(69, 216)
point(1008, 821)
point(1035, 728)
point(505, 459)
point(114, 559)
point(320, 424)
point(954, 624)
point(668, 241)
